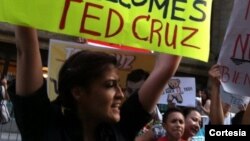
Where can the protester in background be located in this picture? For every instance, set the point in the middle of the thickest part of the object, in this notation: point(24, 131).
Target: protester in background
point(89, 93)
point(4, 87)
point(237, 119)
point(4, 98)
point(192, 126)
point(156, 130)
point(174, 124)
point(134, 81)
point(204, 102)
point(192, 123)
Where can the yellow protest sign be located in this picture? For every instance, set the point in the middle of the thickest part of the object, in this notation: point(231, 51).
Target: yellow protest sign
point(59, 51)
point(169, 26)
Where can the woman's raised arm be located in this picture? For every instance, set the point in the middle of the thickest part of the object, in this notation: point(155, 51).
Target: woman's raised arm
point(29, 65)
point(165, 67)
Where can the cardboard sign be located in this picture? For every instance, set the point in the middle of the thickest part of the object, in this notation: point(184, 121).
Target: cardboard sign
point(181, 91)
point(168, 26)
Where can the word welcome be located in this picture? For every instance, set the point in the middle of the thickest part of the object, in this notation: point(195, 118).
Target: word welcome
point(165, 6)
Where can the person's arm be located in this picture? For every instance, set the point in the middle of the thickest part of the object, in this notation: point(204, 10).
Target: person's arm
point(216, 112)
point(151, 90)
point(29, 76)
point(31, 105)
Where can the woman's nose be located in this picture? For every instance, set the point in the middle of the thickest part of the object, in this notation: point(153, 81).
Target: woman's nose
point(119, 92)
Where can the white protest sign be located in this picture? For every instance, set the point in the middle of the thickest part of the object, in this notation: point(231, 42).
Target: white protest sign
point(235, 52)
point(179, 90)
point(235, 100)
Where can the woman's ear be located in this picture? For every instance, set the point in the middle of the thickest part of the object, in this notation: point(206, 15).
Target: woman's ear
point(77, 92)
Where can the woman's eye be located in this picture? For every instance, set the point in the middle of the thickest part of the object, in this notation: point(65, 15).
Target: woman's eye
point(111, 83)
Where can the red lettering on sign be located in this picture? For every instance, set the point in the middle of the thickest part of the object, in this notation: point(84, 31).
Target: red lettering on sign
point(193, 32)
point(65, 11)
point(173, 43)
point(243, 47)
point(86, 15)
point(234, 76)
point(225, 76)
point(109, 23)
point(155, 30)
point(248, 7)
point(247, 79)
point(137, 19)
point(159, 31)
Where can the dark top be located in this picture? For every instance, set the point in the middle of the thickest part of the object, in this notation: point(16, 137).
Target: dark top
point(40, 120)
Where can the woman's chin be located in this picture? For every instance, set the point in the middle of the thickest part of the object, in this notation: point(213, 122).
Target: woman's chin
point(116, 118)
